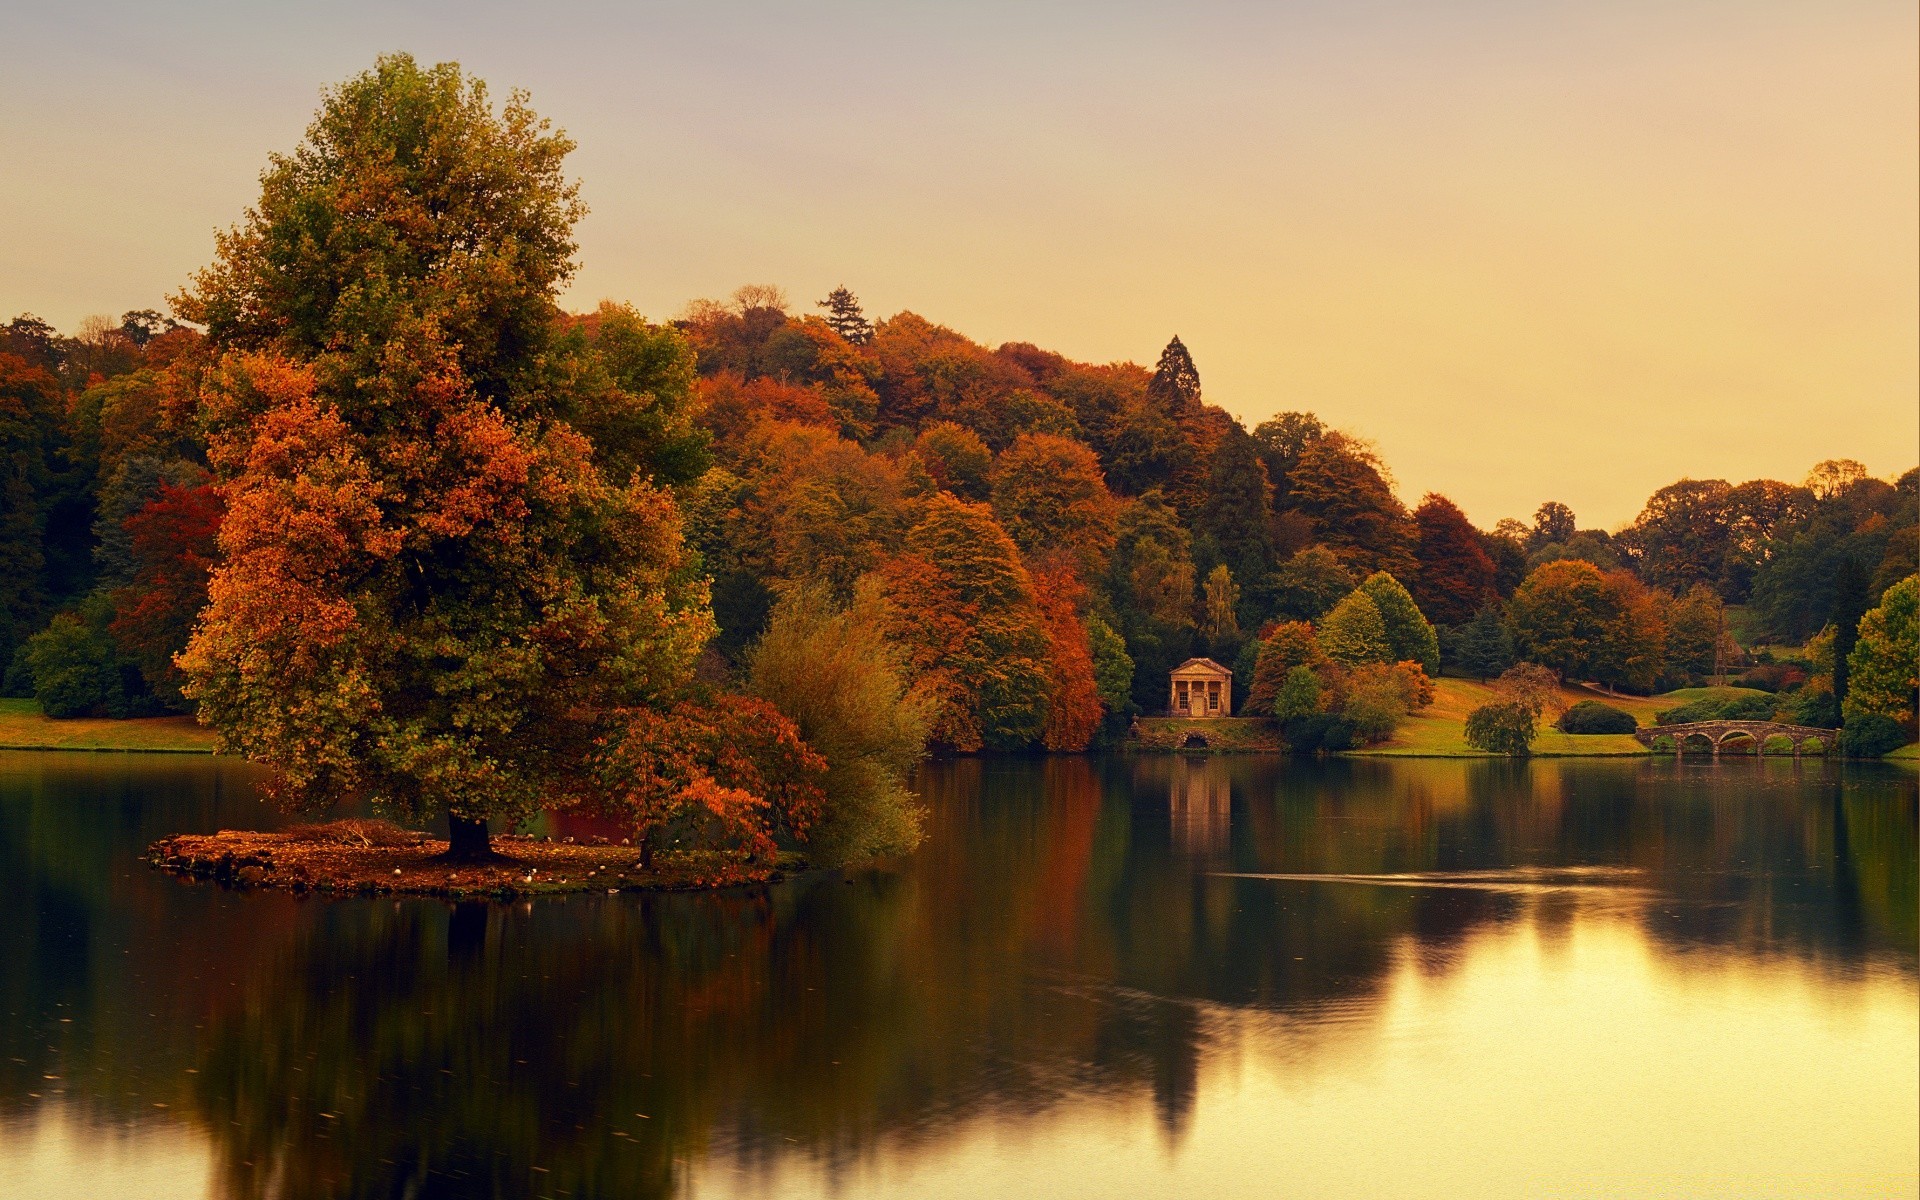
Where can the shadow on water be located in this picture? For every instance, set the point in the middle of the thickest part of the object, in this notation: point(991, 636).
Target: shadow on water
point(1073, 929)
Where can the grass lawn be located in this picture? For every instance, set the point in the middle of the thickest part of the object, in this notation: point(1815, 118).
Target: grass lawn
point(1907, 753)
point(23, 727)
point(1440, 731)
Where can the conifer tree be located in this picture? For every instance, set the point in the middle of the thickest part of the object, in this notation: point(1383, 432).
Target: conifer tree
point(1176, 381)
point(1483, 646)
point(844, 316)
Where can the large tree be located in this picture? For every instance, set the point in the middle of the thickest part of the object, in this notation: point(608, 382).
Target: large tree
point(1175, 385)
point(431, 594)
point(1338, 485)
point(1049, 495)
point(1456, 577)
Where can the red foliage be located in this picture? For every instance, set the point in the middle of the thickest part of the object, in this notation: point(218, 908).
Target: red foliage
point(174, 542)
point(734, 405)
point(1073, 702)
point(1456, 577)
point(734, 771)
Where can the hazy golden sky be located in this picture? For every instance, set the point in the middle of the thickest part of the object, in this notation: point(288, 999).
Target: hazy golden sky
point(1533, 250)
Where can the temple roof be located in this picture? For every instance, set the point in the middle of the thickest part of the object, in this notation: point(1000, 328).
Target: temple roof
point(1204, 666)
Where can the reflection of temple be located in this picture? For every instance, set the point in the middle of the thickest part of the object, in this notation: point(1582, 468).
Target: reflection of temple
point(1201, 803)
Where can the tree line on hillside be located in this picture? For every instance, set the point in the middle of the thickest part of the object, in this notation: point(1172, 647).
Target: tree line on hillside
point(399, 526)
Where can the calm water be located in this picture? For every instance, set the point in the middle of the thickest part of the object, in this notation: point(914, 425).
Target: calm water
point(1100, 978)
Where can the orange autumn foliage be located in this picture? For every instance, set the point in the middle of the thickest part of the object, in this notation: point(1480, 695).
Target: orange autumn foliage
point(1073, 702)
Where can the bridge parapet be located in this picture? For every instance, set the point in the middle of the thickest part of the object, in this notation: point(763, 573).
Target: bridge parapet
point(1717, 733)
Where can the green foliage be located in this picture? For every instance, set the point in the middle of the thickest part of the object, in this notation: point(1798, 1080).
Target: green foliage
point(1712, 708)
point(1816, 708)
point(956, 458)
point(1592, 716)
point(1410, 638)
point(1871, 735)
point(1328, 732)
point(1354, 633)
point(1308, 585)
point(1112, 669)
point(75, 667)
point(833, 673)
point(1505, 727)
point(1483, 647)
point(1299, 695)
point(1884, 667)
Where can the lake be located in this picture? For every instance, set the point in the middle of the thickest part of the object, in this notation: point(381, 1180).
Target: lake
point(1100, 977)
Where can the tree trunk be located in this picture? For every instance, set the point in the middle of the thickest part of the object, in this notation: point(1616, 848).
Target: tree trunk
point(467, 841)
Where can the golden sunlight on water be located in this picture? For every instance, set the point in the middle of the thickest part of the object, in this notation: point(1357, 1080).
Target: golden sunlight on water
point(1539, 1061)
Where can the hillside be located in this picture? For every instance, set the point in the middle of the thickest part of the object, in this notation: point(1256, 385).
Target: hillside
point(1440, 730)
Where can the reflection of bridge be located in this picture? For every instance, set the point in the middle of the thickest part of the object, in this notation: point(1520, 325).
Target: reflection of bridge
point(1718, 733)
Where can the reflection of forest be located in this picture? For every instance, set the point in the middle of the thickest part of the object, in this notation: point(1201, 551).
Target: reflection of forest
point(1073, 927)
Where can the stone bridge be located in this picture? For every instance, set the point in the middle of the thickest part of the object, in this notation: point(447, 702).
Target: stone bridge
point(1718, 733)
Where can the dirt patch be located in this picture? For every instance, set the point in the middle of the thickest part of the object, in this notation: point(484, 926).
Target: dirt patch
point(376, 858)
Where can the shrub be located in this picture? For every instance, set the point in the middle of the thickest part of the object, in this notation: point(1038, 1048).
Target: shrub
point(1817, 709)
point(1870, 735)
point(1738, 708)
point(1505, 727)
point(1774, 677)
point(1591, 716)
point(1665, 745)
point(1322, 731)
point(75, 671)
point(833, 672)
point(1779, 743)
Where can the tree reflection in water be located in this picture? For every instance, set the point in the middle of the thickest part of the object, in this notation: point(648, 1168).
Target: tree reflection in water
point(1075, 929)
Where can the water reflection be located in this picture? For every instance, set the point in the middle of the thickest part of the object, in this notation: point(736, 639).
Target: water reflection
point(1088, 951)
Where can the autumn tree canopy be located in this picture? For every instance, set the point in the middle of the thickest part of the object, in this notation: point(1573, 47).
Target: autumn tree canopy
point(432, 592)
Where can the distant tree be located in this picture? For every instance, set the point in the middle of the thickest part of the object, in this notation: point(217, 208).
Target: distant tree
point(844, 315)
point(1236, 515)
point(1112, 669)
point(1883, 668)
point(1695, 624)
point(1073, 696)
point(143, 325)
point(1562, 617)
point(174, 541)
point(29, 399)
point(34, 342)
point(1501, 728)
point(1506, 548)
point(1552, 522)
point(1338, 485)
point(832, 671)
point(1309, 584)
point(1830, 479)
point(1456, 577)
point(1282, 440)
point(1299, 695)
point(1175, 386)
point(963, 606)
point(1285, 646)
point(1409, 635)
point(635, 397)
point(1049, 495)
point(1220, 597)
point(1848, 610)
point(1354, 633)
point(1683, 535)
point(956, 458)
point(1483, 647)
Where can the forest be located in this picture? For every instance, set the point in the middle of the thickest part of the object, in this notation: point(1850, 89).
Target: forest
point(396, 524)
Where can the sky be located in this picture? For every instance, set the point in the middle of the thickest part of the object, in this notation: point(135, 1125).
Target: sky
point(1531, 250)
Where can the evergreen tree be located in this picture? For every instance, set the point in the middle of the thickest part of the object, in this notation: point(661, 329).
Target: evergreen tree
point(1175, 385)
point(1483, 647)
point(1236, 515)
point(844, 316)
